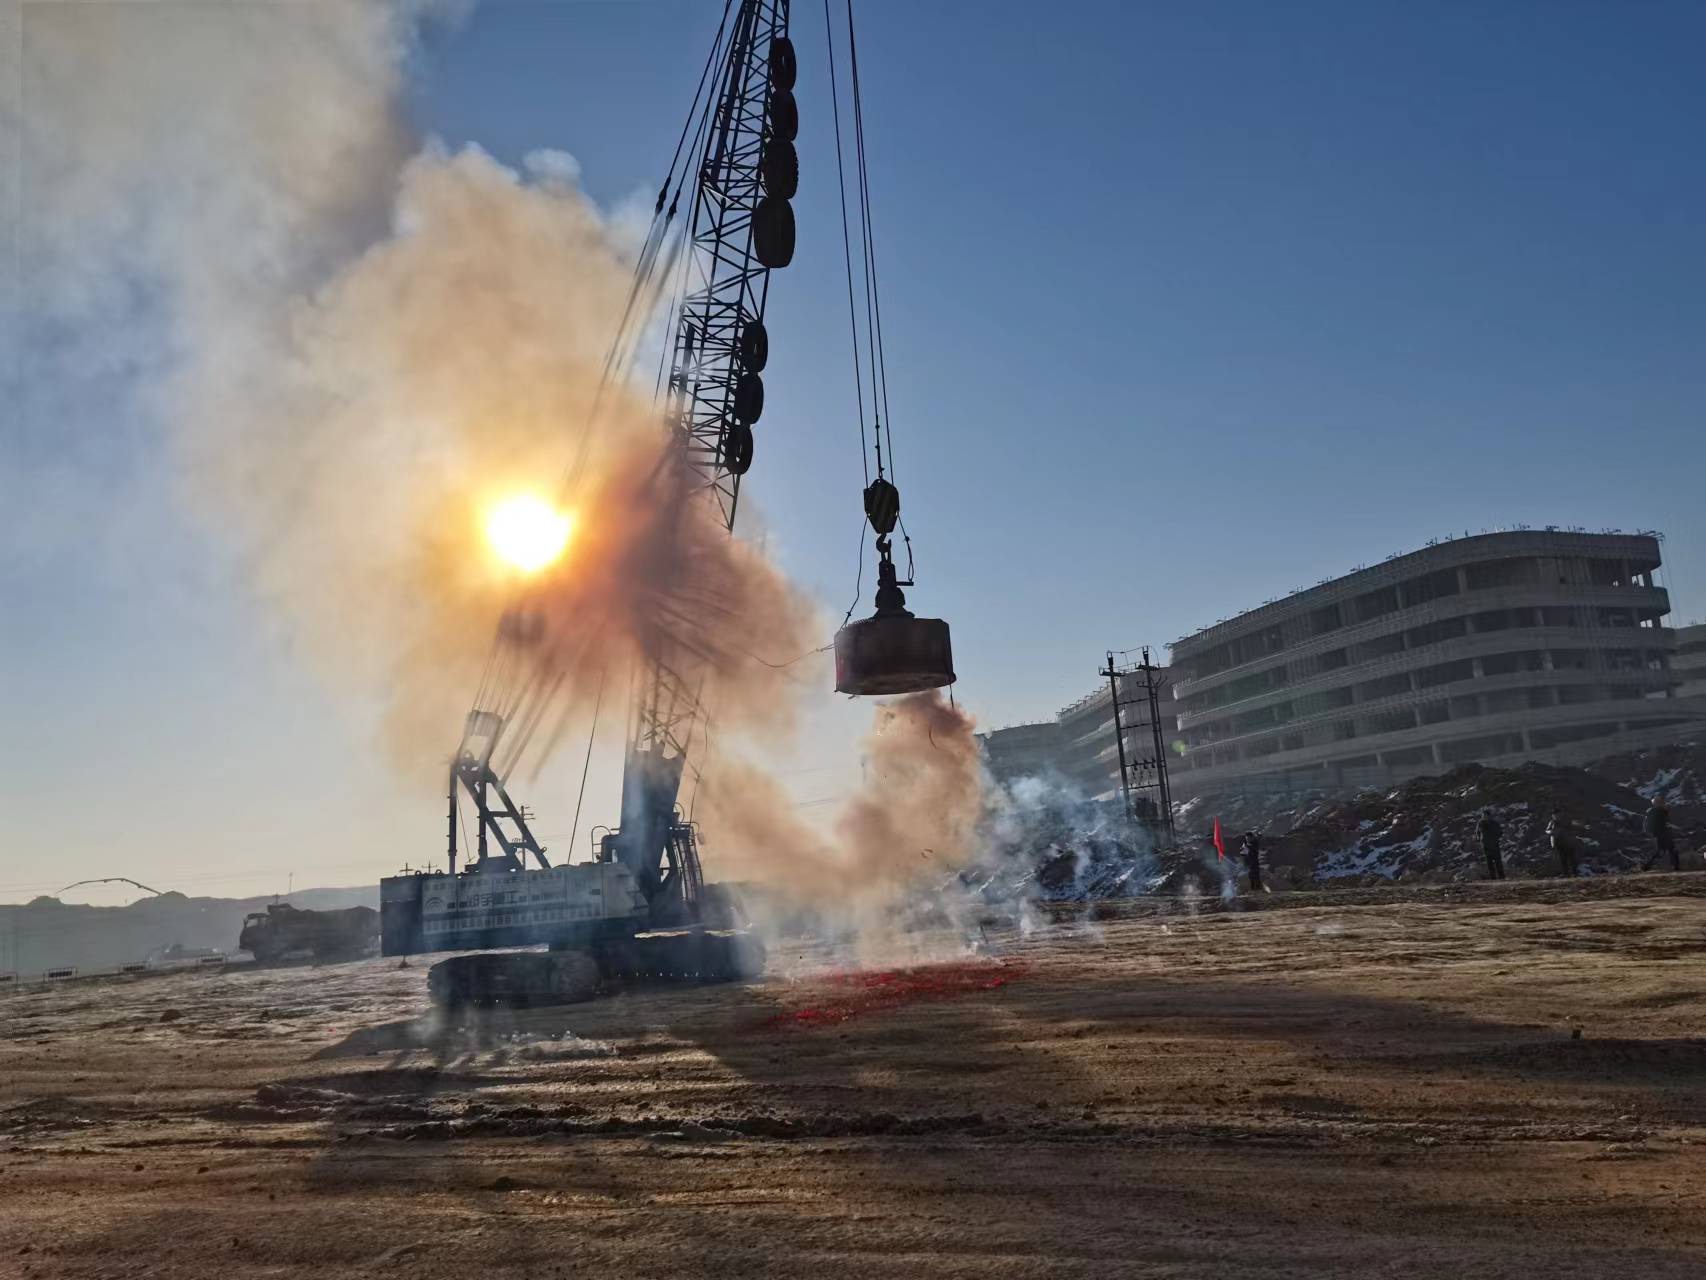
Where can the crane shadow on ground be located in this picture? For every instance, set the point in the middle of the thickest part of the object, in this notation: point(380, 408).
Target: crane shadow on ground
point(638, 1129)
point(1073, 1040)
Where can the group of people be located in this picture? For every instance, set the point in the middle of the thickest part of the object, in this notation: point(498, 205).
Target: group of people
point(1558, 834)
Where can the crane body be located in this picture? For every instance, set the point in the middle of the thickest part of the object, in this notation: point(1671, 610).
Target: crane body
point(641, 905)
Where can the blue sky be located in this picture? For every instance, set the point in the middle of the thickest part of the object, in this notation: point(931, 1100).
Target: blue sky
point(1186, 306)
point(1191, 305)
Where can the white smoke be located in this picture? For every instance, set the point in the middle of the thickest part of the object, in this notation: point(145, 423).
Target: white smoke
point(178, 165)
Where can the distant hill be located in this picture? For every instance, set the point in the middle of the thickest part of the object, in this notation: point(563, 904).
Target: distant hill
point(49, 934)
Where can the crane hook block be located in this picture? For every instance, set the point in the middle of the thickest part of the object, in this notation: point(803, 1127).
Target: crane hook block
point(882, 506)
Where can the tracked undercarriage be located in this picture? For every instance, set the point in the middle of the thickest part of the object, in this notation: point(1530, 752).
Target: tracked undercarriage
point(525, 978)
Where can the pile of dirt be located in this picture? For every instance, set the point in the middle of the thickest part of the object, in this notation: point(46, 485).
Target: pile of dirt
point(1426, 828)
point(1420, 830)
point(1273, 813)
point(1675, 773)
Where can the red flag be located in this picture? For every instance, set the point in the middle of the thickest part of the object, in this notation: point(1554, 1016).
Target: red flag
point(1219, 844)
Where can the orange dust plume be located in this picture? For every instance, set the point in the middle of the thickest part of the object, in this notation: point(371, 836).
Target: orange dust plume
point(911, 823)
point(350, 439)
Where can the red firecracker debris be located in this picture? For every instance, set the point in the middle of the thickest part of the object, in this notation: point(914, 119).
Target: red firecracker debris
point(847, 995)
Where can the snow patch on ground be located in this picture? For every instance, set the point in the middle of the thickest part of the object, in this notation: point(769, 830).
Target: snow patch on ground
point(1660, 783)
point(1384, 860)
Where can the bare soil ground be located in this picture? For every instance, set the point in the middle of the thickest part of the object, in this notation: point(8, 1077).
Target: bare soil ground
point(1489, 1081)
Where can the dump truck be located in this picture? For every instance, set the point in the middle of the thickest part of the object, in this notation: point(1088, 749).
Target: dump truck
point(284, 932)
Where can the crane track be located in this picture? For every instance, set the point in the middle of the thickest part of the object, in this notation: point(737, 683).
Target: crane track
point(537, 978)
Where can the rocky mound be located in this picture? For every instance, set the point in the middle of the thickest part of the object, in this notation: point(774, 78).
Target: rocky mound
point(1677, 773)
point(1426, 828)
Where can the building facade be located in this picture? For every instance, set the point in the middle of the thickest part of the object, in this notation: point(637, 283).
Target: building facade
point(1088, 753)
point(1022, 750)
point(1689, 663)
point(1498, 648)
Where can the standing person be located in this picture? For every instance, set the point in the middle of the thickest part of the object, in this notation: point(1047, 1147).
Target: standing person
point(1252, 848)
point(1558, 831)
point(1664, 840)
point(1491, 832)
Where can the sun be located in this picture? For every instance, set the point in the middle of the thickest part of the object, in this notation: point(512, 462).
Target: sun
point(526, 532)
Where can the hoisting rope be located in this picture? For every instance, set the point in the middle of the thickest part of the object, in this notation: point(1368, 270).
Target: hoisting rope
point(503, 686)
point(847, 259)
point(882, 426)
point(873, 308)
point(586, 764)
point(879, 370)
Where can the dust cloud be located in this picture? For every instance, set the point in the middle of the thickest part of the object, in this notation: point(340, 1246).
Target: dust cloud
point(913, 822)
point(371, 342)
point(356, 340)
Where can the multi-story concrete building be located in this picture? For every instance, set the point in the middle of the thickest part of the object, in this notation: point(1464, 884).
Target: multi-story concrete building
point(1496, 648)
point(1022, 750)
point(1088, 755)
point(1689, 661)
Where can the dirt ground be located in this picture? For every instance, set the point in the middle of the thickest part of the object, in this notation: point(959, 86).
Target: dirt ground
point(1486, 1081)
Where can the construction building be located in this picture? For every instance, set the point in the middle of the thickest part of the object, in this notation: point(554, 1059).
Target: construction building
point(1498, 648)
point(1689, 661)
point(1023, 751)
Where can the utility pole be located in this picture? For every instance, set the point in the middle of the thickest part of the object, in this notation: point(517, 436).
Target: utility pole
point(1164, 789)
point(1113, 675)
point(1143, 774)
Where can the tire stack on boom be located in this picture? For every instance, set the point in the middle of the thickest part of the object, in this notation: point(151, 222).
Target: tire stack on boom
point(772, 245)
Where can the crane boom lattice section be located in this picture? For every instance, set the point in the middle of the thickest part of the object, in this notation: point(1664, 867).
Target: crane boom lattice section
point(727, 282)
point(741, 228)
